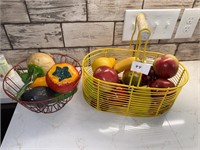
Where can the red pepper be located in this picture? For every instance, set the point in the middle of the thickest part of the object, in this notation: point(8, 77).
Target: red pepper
point(62, 77)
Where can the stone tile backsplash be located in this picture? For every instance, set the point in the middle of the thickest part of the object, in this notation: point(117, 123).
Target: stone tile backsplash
point(35, 35)
point(4, 40)
point(56, 10)
point(75, 27)
point(13, 11)
point(88, 34)
point(110, 10)
point(169, 4)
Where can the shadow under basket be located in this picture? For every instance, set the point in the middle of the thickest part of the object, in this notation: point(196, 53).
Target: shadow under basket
point(12, 84)
point(141, 101)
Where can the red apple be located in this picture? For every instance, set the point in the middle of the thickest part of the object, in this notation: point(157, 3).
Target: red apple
point(166, 66)
point(162, 83)
point(158, 95)
point(106, 74)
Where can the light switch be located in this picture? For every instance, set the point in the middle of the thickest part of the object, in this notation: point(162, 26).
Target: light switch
point(161, 22)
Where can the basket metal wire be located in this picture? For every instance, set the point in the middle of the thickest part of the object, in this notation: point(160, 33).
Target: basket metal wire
point(12, 85)
point(129, 100)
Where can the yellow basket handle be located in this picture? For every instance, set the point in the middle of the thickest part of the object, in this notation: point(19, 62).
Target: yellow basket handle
point(144, 33)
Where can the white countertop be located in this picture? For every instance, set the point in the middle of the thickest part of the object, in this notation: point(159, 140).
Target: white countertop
point(78, 126)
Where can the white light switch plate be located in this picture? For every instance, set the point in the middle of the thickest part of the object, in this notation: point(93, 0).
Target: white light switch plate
point(188, 23)
point(161, 22)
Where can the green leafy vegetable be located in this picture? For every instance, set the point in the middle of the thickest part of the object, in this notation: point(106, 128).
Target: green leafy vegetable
point(23, 75)
point(34, 71)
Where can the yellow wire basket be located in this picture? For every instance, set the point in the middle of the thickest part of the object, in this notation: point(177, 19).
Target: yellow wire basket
point(129, 100)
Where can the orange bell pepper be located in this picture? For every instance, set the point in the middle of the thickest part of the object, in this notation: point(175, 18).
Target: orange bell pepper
point(62, 77)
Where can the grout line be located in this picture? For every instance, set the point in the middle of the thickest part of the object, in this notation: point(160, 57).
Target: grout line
point(7, 37)
point(63, 38)
point(176, 49)
point(113, 42)
point(143, 4)
point(88, 49)
point(33, 22)
point(27, 11)
point(194, 3)
point(195, 42)
point(86, 11)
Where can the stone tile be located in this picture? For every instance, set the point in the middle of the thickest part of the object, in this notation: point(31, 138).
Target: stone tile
point(113, 51)
point(4, 40)
point(77, 53)
point(35, 35)
point(188, 51)
point(162, 48)
point(197, 3)
point(165, 4)
point(13, 12)
point(56, 10)
point(15, 56)
point(12, 0)
point(88, 34)
point(110, 10)
point(119, 33)
point(195, 36)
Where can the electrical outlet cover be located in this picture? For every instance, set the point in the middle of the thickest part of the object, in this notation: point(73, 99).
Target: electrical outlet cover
point(161, 22)
point(188, 23)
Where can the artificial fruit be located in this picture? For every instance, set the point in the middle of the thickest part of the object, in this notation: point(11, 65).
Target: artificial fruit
point(103, 61)
point(162, 83)
point(148, 79)
point(166, 66)
point(126, 77)
point(106, 73)
point(62, 77)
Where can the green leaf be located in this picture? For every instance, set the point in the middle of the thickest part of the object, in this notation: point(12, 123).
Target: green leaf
point(23, 75)
point(66, 95)
point(33, 72)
